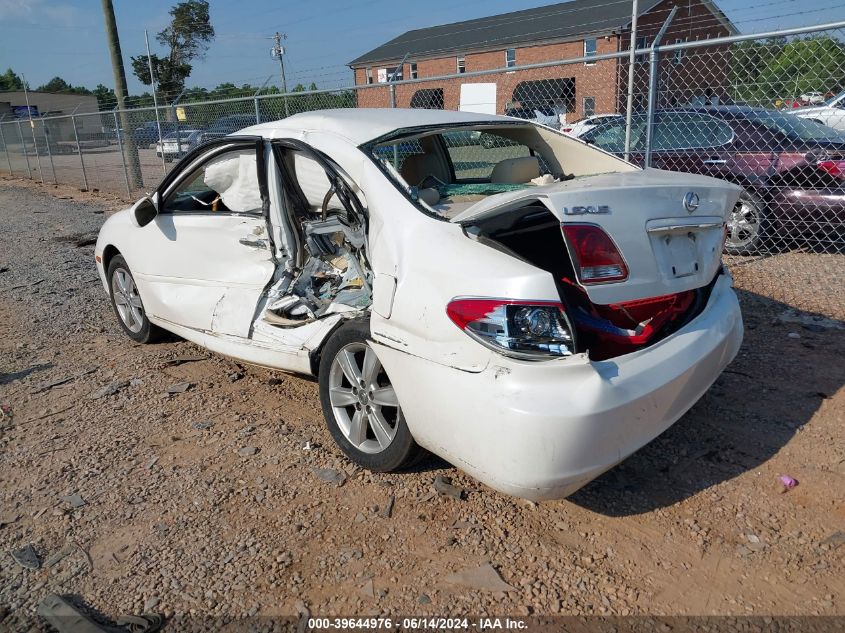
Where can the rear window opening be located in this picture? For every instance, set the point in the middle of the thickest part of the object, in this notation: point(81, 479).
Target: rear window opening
point(444, 171)
point(533, 234)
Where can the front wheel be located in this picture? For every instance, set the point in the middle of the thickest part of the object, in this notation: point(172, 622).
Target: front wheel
point(746, 226)
point(127, 303)
point(360, 404)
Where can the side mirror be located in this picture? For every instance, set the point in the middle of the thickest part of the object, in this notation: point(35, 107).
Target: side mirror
point(144, 212)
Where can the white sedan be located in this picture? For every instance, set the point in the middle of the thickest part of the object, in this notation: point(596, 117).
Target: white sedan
point(533, 312)
point(176, 144)
point(581, 126)
point(830, 112)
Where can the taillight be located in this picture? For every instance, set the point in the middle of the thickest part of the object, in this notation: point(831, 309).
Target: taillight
point(530, 330)
point(566, 130)
point(835, 168)
point(597, 259)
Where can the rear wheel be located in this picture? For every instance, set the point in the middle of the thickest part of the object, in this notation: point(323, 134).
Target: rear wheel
point(127, 303)
point(359, 402)
point(746, 225)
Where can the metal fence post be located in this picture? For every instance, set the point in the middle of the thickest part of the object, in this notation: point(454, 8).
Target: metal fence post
point(654, 68)
point(654, 63)
point(392, 95)
point(122, 155)
point(79, 149)
point(6, 150)
point(25, 153)
point(257, 111)
point(37, 153)
point(49, 151)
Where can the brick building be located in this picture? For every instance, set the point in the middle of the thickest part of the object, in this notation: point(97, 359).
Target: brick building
point(570, 30)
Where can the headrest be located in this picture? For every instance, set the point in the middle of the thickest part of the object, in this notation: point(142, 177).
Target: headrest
point(516, 170)
point(417, 167)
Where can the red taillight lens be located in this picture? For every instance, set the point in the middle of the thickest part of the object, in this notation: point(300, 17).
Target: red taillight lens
point(566, 129)
point(835, 168)
point(597, 260)
point(522, 329)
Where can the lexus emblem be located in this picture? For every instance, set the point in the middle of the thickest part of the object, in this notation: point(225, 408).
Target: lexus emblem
point(691, 201)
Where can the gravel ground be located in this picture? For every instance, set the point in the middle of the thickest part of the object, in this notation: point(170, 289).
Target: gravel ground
point(208, 502)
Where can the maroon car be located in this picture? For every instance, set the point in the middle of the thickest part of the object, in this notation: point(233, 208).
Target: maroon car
point(792, 169)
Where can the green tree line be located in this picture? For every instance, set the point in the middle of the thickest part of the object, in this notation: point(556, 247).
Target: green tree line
point(768, 71)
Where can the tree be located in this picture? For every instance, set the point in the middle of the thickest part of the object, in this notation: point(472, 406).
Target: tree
point(106, 98)
point(10, 81)
point(57, 84)
point(762, 73)
point(187, 38)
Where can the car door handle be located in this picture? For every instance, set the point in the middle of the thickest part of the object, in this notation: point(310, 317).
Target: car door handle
point(254, 243)
point(715, 161)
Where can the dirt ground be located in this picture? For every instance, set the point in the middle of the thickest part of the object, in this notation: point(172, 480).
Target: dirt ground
point(206, 502)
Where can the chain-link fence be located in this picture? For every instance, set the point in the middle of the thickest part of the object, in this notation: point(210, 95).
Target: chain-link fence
point(765, 111)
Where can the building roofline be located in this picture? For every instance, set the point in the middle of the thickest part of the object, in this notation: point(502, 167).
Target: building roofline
point(486, 49)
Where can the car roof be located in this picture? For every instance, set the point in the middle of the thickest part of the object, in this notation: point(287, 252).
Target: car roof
point(723, 110)
point(359, 125)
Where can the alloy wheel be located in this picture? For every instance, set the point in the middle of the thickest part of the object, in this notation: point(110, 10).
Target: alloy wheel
point(127, 300)
point(744, 225)
point(363, 400)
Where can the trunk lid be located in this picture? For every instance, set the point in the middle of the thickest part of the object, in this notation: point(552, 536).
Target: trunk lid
point(668, 247)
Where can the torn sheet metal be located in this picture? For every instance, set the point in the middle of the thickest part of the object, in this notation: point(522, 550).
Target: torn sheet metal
point(335, 277)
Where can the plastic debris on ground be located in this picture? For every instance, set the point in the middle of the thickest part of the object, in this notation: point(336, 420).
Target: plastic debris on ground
point(788, 482)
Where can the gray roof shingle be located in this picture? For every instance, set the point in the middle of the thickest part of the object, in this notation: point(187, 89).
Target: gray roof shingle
point(553, 22)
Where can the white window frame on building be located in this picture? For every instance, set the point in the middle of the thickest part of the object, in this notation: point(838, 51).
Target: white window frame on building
point(413, 70)
point(594, 51)
point(510, 57)
point(369, 75)
point(460, 64)
point(592, 110)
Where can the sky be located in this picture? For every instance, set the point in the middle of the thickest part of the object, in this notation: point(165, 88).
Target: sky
point(45, 38)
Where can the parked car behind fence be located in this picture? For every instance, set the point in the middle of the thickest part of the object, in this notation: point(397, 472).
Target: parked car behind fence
point(791, 169)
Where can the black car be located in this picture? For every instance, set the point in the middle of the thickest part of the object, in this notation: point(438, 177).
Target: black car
point(147, 133)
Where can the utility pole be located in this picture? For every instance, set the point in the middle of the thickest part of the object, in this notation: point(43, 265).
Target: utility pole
point(121, 93)
point(279, 51)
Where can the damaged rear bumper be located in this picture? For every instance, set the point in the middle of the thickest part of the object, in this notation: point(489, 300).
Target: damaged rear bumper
point(543, 430)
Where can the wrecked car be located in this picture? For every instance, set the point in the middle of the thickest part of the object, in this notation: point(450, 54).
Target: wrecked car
point(532, 310)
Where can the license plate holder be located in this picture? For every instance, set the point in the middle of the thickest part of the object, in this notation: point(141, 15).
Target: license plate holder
point(682, 251)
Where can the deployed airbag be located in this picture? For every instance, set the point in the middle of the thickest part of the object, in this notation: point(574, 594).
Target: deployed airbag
point(235, 179)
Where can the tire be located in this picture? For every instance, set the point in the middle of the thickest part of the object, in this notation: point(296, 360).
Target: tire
point(748, 225)
point(379, 441)
point(127, 305)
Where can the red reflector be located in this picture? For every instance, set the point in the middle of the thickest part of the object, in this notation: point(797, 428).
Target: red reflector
point(597, 259)
point(835, 168)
